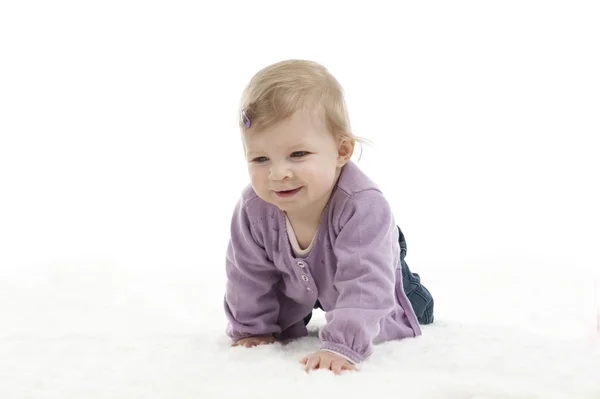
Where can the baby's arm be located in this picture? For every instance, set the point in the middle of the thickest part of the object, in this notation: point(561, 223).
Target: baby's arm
point(364, 279)
point(251, 304)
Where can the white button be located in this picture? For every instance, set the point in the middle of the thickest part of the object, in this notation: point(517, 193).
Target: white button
point(301, 264)
point(304, 277)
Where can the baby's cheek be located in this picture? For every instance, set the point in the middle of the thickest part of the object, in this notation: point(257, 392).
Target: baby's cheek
point(324, 178)
point(253, 171)
point(256, 176)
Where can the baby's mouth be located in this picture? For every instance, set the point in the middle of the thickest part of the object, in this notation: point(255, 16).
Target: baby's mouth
point(288, 193)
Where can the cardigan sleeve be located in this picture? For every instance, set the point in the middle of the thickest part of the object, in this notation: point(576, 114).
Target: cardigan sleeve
point(251, 304)
point(365, 276)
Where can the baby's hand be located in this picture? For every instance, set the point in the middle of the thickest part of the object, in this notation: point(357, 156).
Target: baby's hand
point(327, 360)
point(255, 341)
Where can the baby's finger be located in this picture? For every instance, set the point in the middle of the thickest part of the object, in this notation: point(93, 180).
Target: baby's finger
point(312, 363)
point(336, 367)
point(325, 364)
point(350, 367)
point(304, 360)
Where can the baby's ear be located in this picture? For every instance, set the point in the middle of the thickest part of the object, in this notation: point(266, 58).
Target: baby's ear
point(345, 151)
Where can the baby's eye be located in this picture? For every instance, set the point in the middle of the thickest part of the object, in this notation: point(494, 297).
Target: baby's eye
point(299, 154)
point(260, 159)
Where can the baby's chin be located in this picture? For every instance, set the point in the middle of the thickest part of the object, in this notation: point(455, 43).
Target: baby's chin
point(288, 206)
point(282, 204)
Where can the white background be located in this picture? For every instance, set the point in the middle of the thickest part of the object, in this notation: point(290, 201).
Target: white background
point(119, 134)
point(121, 161)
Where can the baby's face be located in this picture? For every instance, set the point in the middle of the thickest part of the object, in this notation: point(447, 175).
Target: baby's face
point(293, 164)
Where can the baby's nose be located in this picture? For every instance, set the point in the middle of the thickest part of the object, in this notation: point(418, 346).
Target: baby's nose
point(279, 172)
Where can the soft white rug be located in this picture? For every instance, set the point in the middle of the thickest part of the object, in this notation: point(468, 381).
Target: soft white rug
point(102, 331)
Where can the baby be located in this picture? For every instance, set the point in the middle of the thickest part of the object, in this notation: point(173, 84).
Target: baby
point(312, 230)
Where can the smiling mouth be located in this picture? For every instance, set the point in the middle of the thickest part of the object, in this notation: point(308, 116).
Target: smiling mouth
point(287, 193)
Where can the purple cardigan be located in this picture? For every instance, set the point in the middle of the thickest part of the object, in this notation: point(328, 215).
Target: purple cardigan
point(353, 269)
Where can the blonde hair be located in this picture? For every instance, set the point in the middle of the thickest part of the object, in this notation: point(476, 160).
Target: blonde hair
point(277, 91)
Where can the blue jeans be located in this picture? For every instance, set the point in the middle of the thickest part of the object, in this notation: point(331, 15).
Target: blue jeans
point(418, 295)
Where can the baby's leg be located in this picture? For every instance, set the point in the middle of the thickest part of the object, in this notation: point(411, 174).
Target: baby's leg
point(309, 316)
point(299, 329)
point(295, 331)
point(419, 296)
